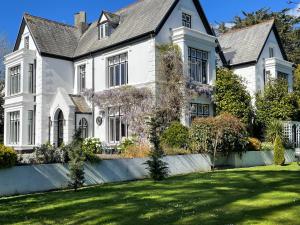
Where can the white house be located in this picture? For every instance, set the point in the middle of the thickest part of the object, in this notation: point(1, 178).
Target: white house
point(256, 54)
point(53, 63)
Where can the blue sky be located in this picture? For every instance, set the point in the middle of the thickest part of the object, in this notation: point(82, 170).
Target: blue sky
point(63, 10)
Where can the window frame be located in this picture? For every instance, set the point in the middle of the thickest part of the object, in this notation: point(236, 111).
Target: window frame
point(271, 52)
point(82, 78)
point(26, 42)
point(117, 126)
point(31, 127)
point(14, 79)
point(32, 78)
point(84, 127)
point(117, 70)
point(186, 20)
point(200, 110)
point(14, 127)
point(198, 61)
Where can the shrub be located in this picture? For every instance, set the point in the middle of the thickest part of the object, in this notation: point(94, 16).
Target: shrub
point(231, 96)
point(158, 169)
point(136, 151)
point(8, 157)
point(278, 151)
point(176, 136)
point(254, 144)
point(127, 142)
point(90, 147)
point(224, 133)
point(276, 103)
point(45, 154)
point(267, 146)
point(274, 128)
point(175, 151)
point(76, 164)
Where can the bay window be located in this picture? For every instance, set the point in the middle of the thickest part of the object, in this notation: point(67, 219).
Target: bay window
point(198, 65)
point(117, 125)
point(14, 126)
point(14, 79)
point(118, 70)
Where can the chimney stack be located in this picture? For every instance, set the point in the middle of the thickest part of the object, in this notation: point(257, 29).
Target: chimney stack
point(80, 21)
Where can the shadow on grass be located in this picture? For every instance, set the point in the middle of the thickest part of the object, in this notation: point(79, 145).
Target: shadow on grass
point(223, 197)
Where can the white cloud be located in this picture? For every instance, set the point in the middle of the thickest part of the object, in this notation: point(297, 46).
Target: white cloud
point(295, 11)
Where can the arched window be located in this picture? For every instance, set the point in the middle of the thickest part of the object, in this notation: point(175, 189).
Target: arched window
point(83, 126)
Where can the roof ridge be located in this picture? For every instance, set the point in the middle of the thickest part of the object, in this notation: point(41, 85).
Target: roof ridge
point(246, 28)
point(51, 21)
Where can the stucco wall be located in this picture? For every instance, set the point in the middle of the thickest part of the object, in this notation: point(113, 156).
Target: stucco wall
point(37, 178)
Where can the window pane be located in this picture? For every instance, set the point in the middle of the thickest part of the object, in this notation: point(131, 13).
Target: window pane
point(123, 74)
point(111, 129)
point(117, 75)
point(111, 76)
point(118, 124)
point(123, 129)
point(204, 72)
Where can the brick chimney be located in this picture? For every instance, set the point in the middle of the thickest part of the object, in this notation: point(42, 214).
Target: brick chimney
point(80, 21)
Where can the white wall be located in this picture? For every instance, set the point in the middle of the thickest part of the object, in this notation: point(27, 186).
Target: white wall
point(26, 33)
point(175, 21)
point(248, 75)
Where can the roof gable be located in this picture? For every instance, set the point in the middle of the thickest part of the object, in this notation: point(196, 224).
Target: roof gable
point(246, 45)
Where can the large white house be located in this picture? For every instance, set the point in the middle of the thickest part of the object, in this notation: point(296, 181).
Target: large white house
point(53, 64)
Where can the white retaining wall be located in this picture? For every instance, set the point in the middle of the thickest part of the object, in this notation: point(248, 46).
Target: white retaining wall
point(38, 178)
point(253, 158)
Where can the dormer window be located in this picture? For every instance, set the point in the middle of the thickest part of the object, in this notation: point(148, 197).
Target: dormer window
point(104, 30)
point(106, 24)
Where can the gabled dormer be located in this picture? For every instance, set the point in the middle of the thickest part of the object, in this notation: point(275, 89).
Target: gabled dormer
point(107, 23)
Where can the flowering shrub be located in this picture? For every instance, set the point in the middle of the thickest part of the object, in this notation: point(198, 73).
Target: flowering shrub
point(8, 157)
point(90, 147)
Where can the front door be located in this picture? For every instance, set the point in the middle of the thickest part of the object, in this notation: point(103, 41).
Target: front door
point(60, 129)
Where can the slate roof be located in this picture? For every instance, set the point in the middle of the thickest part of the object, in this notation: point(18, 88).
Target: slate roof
point(81, 105)
point(53, 37)
point(137, 19)
point(245, 45)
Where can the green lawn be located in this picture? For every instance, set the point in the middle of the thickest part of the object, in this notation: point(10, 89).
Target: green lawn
point(262, 195)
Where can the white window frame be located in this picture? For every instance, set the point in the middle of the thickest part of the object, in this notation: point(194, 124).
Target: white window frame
point(14, 127)
point(117, 70)
point(14, 79)
point(199, 110)
point(116, 124)
point(84, 127)
point(81, 77)
point(26, 42)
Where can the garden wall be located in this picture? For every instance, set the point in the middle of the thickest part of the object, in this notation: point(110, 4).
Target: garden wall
point(253, 158)
point(38, 178)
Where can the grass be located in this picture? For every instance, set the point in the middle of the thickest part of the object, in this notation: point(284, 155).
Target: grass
point(261, 195)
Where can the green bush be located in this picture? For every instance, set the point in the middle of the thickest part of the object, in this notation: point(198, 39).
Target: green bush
point(278, 151)
point(175, 151)
point(231, 96)
point(8, 157)
point(267, 146)
point(176, 136)
point(46, 154)
point(126, 143)
point(254, 144)
point(91, 147)
point(224, 134)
